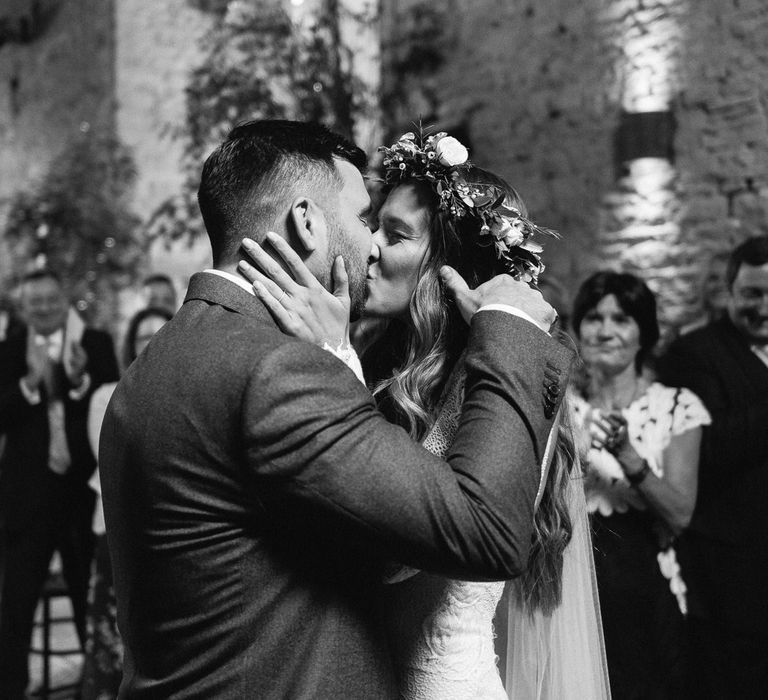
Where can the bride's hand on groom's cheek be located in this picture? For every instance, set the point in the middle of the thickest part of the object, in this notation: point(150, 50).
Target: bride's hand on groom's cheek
point(300, 305)
point(501, 289)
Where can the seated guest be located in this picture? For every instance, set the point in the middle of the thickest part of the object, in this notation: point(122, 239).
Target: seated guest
point(104, 650)
point(47, 377)
point(724, 553)
point(641, 439)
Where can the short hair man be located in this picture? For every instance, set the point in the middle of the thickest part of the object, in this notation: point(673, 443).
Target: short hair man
point(724, 553)
point(47, 377)
point(251, 474)
point(159, 292)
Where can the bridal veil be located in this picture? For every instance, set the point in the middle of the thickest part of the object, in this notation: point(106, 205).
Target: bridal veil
point(561, 656)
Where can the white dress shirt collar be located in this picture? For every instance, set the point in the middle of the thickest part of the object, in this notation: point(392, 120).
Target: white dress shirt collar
point(762, 353)
point(239, 281)
point(54, 341)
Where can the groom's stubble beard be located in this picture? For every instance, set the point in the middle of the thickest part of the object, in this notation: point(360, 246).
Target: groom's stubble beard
point(356, 266)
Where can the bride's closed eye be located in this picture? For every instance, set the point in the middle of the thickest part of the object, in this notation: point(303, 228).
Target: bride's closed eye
point(392, 235)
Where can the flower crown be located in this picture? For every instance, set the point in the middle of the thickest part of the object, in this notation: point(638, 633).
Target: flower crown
point(442, 161)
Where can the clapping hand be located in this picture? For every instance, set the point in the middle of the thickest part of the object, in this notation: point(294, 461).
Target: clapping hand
point(37, 362)
point(608, 431)
point(76, 362)
point(501, 289)
point(300, 305)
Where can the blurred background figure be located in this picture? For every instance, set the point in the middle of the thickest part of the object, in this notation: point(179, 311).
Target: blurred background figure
point(47, 377)
point(10, 323)
point(641, 440)
point(158, 292)
point(725, 551)
point(713, 291)
point(104, 650)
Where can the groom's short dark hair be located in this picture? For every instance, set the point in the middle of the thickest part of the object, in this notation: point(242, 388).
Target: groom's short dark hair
point(261, 165)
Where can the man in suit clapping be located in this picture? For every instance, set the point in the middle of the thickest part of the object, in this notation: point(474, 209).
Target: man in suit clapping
point(47, 376)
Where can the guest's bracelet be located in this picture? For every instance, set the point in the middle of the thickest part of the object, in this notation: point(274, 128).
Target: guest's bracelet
point(638, 478)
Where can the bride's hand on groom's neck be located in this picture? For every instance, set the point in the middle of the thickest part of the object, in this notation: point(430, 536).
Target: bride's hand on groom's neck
point(300, 305)
point(501, 289)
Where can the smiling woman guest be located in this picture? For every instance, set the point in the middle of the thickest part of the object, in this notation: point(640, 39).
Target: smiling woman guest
point(642, 444)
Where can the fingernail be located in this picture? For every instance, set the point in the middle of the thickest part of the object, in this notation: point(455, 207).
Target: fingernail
point(243, 265)
point(272, 235)
point(343, 264)
point(445, 272)
point(249, 243)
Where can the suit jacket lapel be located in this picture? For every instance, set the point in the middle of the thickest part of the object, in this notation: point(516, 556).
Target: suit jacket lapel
point(750, 365)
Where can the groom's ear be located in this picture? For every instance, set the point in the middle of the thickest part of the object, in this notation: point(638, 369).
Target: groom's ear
point(308, 223)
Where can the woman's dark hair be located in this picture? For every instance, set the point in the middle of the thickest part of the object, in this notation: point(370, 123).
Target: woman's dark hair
point(129, 347)
point(412, 362)
point(753, 251)
point(633, 297)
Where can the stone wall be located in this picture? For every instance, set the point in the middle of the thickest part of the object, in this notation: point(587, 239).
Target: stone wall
point(157, 45)
point(54, 84)
point(101, 66)
point(540, 88)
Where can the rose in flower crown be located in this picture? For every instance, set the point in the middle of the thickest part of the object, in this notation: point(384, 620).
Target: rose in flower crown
point(443, 162)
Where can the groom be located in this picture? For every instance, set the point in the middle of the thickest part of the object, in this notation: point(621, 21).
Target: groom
point(251, 488)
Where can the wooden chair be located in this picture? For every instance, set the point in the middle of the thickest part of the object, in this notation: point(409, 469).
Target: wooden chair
point(55, 587)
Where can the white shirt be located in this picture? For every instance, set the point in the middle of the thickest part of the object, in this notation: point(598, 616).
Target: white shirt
point(762, 353)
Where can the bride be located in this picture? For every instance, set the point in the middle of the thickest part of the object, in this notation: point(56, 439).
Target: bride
point(441, 210)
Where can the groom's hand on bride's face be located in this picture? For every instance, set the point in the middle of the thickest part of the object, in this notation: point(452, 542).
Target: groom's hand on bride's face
point(501, 289)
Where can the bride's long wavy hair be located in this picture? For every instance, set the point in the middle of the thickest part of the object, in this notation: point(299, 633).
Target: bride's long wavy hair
point(410, 362)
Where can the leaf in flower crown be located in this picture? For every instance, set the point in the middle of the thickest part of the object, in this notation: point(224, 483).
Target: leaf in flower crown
point(499, 201)
point(509, 212)
point(531, 247)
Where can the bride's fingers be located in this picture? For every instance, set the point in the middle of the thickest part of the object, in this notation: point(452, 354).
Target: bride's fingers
point(255, 277)
point(294, 263)
point(284, 318)
point(340, 280)
point(269, 266)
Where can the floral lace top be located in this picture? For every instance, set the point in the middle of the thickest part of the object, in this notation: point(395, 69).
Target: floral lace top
point(653, 419)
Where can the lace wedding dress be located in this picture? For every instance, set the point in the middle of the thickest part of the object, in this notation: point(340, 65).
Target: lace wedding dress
point(451, 656)
point(443, 643)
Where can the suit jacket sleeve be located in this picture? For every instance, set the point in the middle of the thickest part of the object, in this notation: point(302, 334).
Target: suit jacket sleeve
point(13, 406)
point(314, 439)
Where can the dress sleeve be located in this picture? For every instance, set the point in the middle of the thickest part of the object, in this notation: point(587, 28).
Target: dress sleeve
point(689, 412)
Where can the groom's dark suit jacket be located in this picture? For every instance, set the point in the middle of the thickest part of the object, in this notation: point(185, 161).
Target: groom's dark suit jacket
point(252, 491)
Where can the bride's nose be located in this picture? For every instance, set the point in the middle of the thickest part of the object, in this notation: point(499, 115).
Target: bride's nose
point(375, 253)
